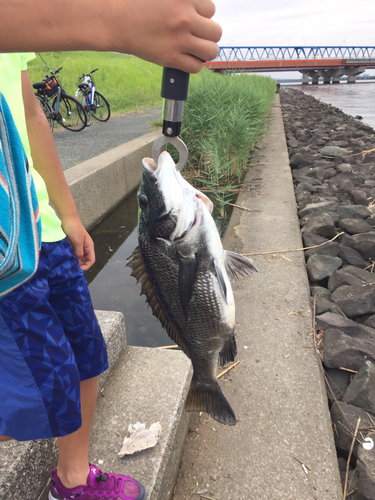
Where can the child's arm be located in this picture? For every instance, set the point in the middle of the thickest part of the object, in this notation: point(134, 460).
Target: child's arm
point(46, 161)
point(178, 34)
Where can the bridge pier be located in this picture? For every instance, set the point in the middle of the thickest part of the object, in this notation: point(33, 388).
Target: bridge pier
point(305, 79)
point(353, 72)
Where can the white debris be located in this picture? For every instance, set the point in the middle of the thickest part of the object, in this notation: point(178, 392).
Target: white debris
point(140, 438)
point(368, 444)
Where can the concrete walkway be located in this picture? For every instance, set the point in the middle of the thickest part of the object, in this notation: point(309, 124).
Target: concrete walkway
point(282, 445)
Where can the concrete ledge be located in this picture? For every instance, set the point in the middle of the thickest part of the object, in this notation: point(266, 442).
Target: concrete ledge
point(101, 183)
point(147, 386)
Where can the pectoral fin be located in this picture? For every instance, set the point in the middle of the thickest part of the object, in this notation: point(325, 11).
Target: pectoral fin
point(187, 275)
point(238, 266)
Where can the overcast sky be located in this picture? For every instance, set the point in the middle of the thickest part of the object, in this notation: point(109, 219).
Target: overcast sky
point(296, 22)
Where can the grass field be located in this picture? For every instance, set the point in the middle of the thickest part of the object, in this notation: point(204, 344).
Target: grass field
point(129, 83)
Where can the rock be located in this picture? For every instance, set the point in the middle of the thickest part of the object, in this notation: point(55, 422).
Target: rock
point(349, 327)
point(361, 390)
point(353, 212)
point(347, 241)
point(358, 197)
point(370, 321)
point(324, 305)
point(344, 420)
point(318, 208)
point(342, 277)
point(355, 300)
point(352, 257)
point(344, 167)
point(322, 225)
point(365, 276)
point(337, 382)
point(342, 351)
point(333, 151)
point(365, 245)
point(354, 226)
point(295, 160)
point(320, 267)
point(366, 472)
point(320, 291)
point(341, 183)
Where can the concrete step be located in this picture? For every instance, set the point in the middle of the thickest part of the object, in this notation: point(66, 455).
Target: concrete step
point(147, 385)
point(141, 384)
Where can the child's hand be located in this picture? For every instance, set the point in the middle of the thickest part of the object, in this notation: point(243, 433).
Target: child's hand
point(81, 242)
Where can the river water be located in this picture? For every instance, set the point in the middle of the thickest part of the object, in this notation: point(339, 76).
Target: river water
point(356, 99)
point(110, 284)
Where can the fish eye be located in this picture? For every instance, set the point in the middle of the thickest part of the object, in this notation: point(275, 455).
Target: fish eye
point(142, 200)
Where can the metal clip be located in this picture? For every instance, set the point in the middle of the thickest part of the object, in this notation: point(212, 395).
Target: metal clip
point(159, 144)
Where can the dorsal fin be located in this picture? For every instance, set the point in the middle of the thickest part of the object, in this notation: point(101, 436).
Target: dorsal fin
point(139, 271)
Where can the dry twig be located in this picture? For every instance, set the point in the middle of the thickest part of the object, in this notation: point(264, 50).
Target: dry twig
point(229, 368)
point(349, 457)
point(294, 250)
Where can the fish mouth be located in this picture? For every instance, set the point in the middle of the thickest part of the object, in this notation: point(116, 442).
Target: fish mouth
point(155, 172)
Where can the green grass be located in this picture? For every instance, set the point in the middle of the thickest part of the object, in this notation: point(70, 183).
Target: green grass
point(128, 83)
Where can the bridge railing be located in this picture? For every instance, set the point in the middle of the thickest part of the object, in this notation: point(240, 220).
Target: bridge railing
point(288, 53)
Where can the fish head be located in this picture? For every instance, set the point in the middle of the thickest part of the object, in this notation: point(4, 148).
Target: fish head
point(169, 205)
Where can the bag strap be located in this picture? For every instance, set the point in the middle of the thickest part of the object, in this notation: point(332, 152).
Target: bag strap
point(20, 225)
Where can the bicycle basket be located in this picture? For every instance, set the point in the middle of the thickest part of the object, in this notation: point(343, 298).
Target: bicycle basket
point(51, 85)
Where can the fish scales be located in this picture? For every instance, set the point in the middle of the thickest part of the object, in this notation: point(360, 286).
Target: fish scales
point(184, 273)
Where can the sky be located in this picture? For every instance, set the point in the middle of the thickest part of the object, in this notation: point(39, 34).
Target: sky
point(296, 22)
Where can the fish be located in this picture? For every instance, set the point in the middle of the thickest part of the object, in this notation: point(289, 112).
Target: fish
point(186, 275)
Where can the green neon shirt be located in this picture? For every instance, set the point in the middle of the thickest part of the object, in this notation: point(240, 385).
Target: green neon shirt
point(11, 66)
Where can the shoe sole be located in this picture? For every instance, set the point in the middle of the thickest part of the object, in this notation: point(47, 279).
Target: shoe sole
point(141, 496)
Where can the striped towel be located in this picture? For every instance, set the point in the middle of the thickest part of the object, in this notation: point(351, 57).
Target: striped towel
point(20, 226)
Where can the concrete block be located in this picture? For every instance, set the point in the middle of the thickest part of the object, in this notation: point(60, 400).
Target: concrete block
point(101, 183)
point(147, 385)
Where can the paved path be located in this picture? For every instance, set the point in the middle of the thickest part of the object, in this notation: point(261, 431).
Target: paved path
point(76, 147)
point(282, 445)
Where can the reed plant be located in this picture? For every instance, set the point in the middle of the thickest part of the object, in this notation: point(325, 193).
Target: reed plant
point(223, 119)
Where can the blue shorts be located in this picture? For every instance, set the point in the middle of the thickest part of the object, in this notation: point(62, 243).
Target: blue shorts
point(50, 341)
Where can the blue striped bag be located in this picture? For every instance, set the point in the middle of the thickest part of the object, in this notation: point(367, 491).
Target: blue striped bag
point(20, 226)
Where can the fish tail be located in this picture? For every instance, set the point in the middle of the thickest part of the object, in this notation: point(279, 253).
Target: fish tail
point(210, 399)
point(229, 351)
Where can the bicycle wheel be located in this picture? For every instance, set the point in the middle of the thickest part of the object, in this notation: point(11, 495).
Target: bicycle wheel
point(72, 115)
point(100, 109)
point(47, 110)
point(84, 99)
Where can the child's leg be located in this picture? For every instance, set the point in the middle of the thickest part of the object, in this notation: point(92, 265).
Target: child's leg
point(73, 463)
point(4, 438)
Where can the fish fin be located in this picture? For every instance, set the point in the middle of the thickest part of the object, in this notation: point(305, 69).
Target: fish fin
point(139, 271)
point(187, 274)
point(221, 280)
point(211, 400)
point(229, 351)
point(238, 266)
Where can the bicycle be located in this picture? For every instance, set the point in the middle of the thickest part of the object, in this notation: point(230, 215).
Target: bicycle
point(95, 104)
point(65, 109)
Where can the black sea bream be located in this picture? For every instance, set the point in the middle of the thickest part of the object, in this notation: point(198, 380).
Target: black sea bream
point(184, 273)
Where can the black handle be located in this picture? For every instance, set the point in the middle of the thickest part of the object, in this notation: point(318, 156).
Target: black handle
point(174, 85)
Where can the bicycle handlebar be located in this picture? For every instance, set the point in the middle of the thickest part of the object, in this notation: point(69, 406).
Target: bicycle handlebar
point(88, 74)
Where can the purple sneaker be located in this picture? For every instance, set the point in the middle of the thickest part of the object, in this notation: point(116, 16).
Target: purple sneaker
point(99, 487)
